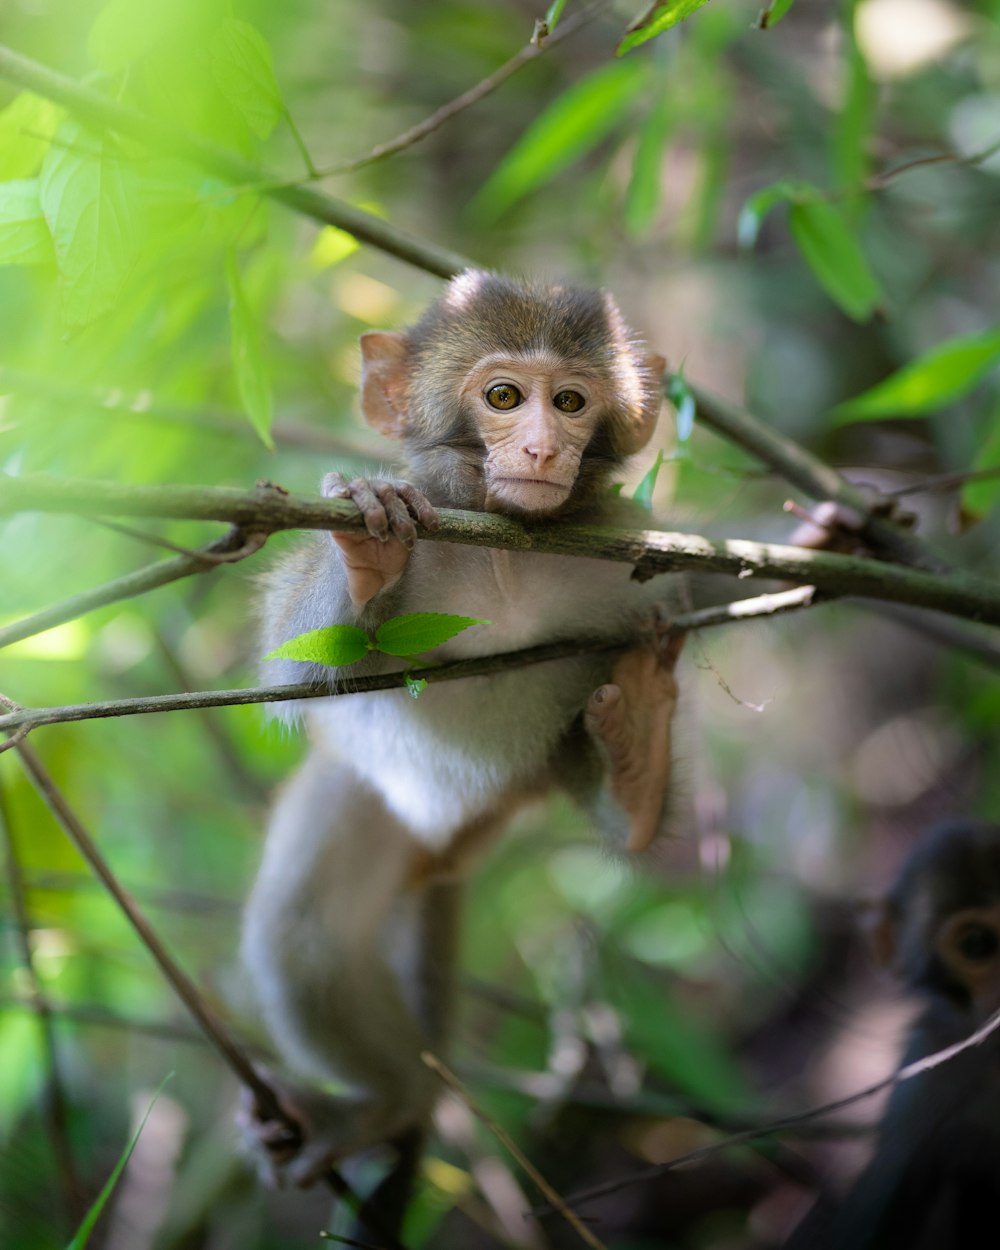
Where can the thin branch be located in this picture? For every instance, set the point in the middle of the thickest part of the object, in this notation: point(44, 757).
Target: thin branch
point(236, 545)
point(268, 509)
point(878, 182)
point(53, 1095)
point(556, 1201)
point(20, 721)
point(215, 1032)
point(100, 112)
point(101, 1018)
point(917, 1068)
point(530, 52)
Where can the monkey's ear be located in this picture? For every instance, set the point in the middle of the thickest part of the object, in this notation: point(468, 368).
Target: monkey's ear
point(385, 381)
point(637, 434)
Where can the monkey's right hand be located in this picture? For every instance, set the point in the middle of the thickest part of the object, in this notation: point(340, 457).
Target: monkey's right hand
point(375, 561)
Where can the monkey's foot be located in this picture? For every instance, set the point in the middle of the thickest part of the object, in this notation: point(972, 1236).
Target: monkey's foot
point(316, 1131)
point(375, 560)
point(630, 718)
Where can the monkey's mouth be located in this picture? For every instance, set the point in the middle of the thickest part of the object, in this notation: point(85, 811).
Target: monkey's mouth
point(529, 494)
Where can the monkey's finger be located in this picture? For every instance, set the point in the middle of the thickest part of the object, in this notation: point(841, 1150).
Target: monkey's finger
point(419, 505)
point(376, 521)
point(602, 710)
point(396, 511)
point(335, 486)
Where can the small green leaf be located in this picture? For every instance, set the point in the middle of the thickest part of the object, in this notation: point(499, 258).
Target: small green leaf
point(682, 398)
point(416, 632)
point(553, 13)
point(644, 491)
point(415, 685)
point(642, 199)
point(939, 377)
point(89, 198)
point(772, 13)
point(654, 20)
point(94, 1213)
point(756, 208)
point(24, 236)
point(243, 70)
point(575, 122)
point(334, 645)
point(252, 375)
point(27, 125)
point(832, 253)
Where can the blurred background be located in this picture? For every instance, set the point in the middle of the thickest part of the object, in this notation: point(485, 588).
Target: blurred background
point(609, 1018)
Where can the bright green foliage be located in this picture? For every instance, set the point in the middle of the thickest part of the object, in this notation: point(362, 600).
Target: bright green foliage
point(553, 13)
point(27, 125)
point(92, 203)
point(24, 236)
point(244, 72)
point(335, 645)
point(659, 17)
point(832, 253)
point(642, 200)
point(417, 632)
point(249, 361)
point(572, 125)
point(644, 491)
point(939, 377)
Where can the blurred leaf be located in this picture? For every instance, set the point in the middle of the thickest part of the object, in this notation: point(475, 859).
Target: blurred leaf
point(757, 207)
point(249, 366)
point(979, 498)
point(335, 645)
point(94, 1214)
point(124, 31)
point(416, 632)
point(644, 491)
point(24, 236)
point(573, 124)
point(849, 154)
point(654, 20)
point(244, 72)
point(553, 13)
point(832, 253)
point(939, 377)
point(772, 13)
point(27, 125)
point(91, 202)
point(331, 247)
point(642, 199)
point(682, 398)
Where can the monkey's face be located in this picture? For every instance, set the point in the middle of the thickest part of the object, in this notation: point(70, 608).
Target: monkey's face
point(536, 415)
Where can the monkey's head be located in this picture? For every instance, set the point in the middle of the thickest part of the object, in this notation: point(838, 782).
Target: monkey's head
point(939, 926)
point(513, 397)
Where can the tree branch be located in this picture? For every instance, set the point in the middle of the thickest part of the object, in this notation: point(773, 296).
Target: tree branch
point(268, 509)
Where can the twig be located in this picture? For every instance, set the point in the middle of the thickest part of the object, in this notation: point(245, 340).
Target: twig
point(557, 1203)
point(907, 1073)
point(99, 111)
point(235, 545)
point(533, 49)
point(53, 1095)
point(878, 182)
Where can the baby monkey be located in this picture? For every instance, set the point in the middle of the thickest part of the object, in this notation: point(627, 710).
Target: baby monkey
point(510, 398)
point(933, 1181)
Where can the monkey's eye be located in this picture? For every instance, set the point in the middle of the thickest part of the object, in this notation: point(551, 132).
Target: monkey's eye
point(504, 396)
point(569, 401)
point(978, 943)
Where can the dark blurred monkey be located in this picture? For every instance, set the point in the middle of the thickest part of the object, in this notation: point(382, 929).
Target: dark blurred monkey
point(934, 1180)
point(516, 399)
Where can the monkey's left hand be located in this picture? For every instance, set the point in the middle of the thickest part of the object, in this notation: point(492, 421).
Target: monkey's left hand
point(376, 560)
point(630, 719)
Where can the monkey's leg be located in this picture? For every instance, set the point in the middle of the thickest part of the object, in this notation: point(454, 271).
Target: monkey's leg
point(630, 719)
point(330, 938)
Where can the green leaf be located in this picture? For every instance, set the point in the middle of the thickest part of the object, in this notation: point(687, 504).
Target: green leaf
point(654, 20)
point(756, 208)
point(89, 198)
point(642, 199)
point(850, 157)
point(27, 125)
point(553, 13)
point(832, 253)
point(250, 367)
point(124, 31)
point(772, 13)
point(574, 123)
point(682, 398)
point(94, 1213)
point(334, 645)
point(979, 498)
point(243, 70)
point(939, 377)
point(415, 685)
point(416, 632)
point(24, 236)
point(644, 491)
